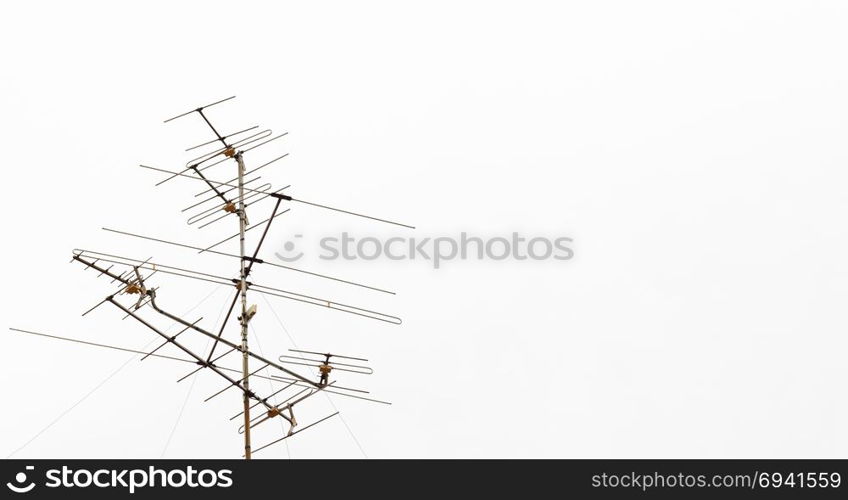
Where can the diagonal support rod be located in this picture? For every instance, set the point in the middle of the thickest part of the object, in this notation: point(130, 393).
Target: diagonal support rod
point(186, 350)
point(247, 273)
point(224, 324)
point(219, 193)
point(220, 137)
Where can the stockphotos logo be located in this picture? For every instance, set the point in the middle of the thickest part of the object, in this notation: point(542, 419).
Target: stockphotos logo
point(436, 250)
point(20, 485)
point(130, 479)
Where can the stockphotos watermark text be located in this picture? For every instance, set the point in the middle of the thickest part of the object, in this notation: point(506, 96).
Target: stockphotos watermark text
point(437, 250)
point(125, 479)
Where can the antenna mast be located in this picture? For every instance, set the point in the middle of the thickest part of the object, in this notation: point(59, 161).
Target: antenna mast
point(135, 280)
point(245, 360)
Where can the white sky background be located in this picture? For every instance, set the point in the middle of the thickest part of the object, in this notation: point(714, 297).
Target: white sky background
point(695, 151)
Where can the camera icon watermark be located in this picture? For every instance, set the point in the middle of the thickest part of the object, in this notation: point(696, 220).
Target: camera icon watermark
point(20, 478)
point(289, 254)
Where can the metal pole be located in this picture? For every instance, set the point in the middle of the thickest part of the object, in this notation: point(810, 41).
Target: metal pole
point(244, 319)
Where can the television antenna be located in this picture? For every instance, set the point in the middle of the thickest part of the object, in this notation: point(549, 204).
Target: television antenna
point(229, 200)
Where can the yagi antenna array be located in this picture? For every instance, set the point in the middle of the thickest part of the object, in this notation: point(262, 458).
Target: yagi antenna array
point(301, 374)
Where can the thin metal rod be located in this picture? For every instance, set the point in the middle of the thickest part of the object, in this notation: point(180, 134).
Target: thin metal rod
point(237, 234)
point(356, 214)
point(199, 174)
point(211, 212)
point(273, 264)
point(249, 172)
point(77, 257)
point(224, 324)
point(105, 257)
point(243, 289)
point(281, 407)
point(358, 311)
point(244, 379)
point(351, 389)
point(202, 367)
point(212, 198)
point(198, 109)
point(254, 405)
point(335, 367)
point(196, 162)
point(95, 307)
point(316, 363)
point(275, 378)
point(208, 212)
point(295, 432)
point(163, 344)
point(95, 344)
point(196, 328)
point(244, 142)
point(276, 292)
point(352, 396)
point(176, 174)
point(327, 354)
point(225, 137)
point(186, 350)
point(200, 160)
point(265, 194)
point(173, 273)
point(220, 137)
point(352, 213)
point(251, 148)
point(261, 240)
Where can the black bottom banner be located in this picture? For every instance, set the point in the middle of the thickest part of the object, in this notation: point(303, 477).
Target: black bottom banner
point(437, 479)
